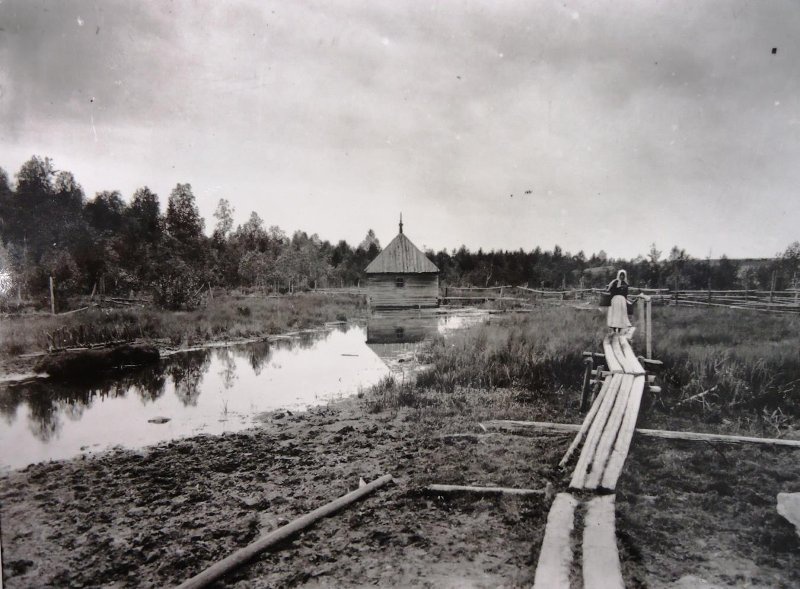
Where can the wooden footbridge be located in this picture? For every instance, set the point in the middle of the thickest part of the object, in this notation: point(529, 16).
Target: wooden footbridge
point(604, 439)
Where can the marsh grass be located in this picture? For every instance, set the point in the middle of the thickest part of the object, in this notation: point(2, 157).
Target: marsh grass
point(225, 318)
point(744, 366)
point(723, 361)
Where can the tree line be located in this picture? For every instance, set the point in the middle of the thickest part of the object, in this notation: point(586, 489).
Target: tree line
point(48, 228)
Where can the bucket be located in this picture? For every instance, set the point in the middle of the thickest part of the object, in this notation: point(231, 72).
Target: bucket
point(605, 299)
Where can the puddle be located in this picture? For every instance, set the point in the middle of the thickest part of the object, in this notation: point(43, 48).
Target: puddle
point(212, 390)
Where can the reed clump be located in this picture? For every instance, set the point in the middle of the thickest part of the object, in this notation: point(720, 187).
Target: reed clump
point(534, 351)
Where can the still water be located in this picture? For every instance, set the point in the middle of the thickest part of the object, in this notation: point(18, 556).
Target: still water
point(209, 391)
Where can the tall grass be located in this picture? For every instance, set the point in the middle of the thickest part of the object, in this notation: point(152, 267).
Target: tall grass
point(725, 360)
point(533, 351)
point(226, 317)
point(717, 362)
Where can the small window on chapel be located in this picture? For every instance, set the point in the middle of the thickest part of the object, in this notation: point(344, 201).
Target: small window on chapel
point(399, 282)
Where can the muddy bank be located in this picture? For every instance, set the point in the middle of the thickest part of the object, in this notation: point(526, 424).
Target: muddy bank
point(687, 513)
point(76, 364)
point(154, 518)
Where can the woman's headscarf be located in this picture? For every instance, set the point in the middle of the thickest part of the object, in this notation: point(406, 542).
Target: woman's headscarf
point(618, 280)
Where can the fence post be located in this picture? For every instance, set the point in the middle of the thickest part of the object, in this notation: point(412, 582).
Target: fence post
point(52, 298)
point(641, 320)
point(772, 288)
point(648, 322)
point(676, 290)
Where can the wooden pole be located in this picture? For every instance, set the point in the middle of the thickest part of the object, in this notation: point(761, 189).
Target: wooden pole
point(796, 289)
point(561, 428)
point(640, 317)
point(676, 289)
point(587, 376)
point(52, 298)
point(243, 555)
point(482, 490)
point(772, 288)
point(649, 327)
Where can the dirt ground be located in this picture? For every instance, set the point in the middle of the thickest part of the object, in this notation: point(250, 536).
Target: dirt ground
point(688, 514)
point(154, 518)
point(706, 513)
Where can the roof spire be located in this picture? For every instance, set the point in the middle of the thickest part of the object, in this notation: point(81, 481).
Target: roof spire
point(401, 222)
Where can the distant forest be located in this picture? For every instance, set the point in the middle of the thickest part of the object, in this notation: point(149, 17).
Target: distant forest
point(49, 228)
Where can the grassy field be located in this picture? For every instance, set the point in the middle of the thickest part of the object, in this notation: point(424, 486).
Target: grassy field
point(224, 318)
point(734, 369)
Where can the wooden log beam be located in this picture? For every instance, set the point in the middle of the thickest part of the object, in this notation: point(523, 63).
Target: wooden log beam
point(611, 358)
point(609, 434)
point(721, 438)
point(652, 433)
point(622, 444)
point(601, 568)
point(587, 422)
point(511, 424)
point(631, 362)
point(482, 490)
point(555, 557)
point(244, 555)
point(73, 311)
point(595, 432)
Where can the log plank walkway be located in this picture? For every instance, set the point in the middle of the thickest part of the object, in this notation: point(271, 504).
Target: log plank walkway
point(606, 436)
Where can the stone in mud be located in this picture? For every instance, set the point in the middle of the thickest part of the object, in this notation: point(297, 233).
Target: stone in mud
point(81, 364)
point(789, 507)
point(693, 582)
point(18, 567)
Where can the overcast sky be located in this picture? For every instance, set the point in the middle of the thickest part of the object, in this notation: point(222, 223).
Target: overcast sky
point(628, 122)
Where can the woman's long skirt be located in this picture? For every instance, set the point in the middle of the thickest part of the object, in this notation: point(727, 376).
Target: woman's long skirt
point(618, 313)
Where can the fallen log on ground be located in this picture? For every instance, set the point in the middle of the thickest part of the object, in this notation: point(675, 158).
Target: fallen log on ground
point(653, 433)
point(726, 439)
point(73, 311)
point(86, 362)
point(483, 490)
point(511, 424)
point(243, 555)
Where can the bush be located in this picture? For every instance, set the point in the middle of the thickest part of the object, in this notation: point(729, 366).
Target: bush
point(178, 287)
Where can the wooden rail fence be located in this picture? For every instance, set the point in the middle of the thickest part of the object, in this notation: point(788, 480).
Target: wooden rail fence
point(772, 301)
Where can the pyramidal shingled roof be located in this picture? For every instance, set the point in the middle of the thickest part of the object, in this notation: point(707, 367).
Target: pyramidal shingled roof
point(401, 257)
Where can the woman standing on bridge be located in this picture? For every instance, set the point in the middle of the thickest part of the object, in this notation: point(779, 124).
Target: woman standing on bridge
point(618, 311)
